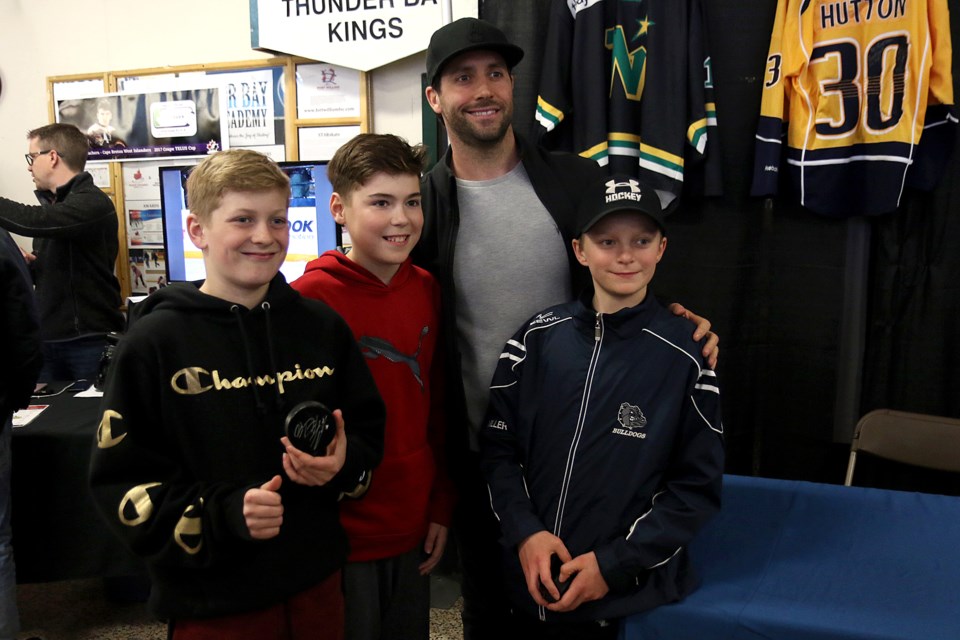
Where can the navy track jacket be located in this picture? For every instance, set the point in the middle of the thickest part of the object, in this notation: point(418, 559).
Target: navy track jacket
point(605, 430)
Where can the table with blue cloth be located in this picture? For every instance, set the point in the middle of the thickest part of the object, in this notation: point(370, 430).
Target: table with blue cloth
point(788, 560)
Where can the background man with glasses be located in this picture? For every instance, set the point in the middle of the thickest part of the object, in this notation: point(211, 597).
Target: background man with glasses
point(74, 253)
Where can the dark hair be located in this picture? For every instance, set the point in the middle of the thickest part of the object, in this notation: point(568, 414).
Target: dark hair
point(70, 143)
point(370, 153)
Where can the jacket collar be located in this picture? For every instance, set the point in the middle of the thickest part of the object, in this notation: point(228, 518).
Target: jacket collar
point(45, 195)
point(624, 323)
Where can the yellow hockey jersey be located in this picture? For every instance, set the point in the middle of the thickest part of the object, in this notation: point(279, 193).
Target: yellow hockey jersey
point(860, 94)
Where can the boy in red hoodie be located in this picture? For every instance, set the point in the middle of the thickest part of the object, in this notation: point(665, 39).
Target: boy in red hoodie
point(398, 531)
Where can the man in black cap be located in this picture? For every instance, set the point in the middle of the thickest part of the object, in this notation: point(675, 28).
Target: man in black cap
point(499, 216)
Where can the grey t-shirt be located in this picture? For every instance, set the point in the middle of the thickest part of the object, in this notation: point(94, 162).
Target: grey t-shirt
point(510, 262)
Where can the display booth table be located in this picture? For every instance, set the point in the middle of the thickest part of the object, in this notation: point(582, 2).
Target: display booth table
point(57, 532)
point(788, 560)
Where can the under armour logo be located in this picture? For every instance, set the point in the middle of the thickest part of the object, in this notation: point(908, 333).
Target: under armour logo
point(612, 185)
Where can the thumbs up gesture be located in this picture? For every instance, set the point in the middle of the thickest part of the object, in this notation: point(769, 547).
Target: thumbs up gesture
point(263, 510)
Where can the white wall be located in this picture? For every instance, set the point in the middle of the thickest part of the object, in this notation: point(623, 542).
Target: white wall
point(42, 38)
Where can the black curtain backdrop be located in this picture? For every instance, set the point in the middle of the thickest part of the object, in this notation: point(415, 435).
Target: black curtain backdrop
point(770, 274)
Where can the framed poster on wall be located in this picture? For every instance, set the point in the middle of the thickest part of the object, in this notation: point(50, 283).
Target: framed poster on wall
point(328, 91)
point(177, 123)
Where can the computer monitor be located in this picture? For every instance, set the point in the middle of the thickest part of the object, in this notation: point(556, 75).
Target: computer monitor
point(312, 229)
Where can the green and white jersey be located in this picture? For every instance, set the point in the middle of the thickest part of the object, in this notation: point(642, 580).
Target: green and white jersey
point(628, 83)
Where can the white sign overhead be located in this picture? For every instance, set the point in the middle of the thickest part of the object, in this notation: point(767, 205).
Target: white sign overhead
point(360, 34)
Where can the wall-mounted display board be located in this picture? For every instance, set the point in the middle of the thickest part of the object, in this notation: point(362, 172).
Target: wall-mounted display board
point(140, 120)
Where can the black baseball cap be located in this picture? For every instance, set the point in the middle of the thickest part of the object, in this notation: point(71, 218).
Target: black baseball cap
point(467, 34)
point(618, 193)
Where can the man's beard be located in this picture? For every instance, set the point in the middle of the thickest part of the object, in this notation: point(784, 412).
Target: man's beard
point(472, 135)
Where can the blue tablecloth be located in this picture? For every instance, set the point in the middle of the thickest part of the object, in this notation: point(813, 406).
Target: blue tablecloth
point(789, 560)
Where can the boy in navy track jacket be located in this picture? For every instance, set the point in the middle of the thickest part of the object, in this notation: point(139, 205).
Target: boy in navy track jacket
point(603, 439)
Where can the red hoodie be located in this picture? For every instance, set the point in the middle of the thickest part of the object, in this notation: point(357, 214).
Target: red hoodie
point(397, 327)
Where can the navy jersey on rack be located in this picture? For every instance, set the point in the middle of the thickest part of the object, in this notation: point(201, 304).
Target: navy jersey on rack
point(628, 84)
point(858, 97)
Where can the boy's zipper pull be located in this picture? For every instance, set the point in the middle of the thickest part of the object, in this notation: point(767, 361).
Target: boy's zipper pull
point(596, 329)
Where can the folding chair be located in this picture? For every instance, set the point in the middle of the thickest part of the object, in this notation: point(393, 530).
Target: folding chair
point(917, 439)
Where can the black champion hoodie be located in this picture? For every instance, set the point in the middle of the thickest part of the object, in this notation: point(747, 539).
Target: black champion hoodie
point(193, 412)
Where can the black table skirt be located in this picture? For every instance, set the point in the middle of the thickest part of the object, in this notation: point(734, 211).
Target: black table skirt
point(57, 532)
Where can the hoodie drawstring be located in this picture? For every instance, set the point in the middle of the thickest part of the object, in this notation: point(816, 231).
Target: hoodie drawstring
point(261, 407)
point(270, 350)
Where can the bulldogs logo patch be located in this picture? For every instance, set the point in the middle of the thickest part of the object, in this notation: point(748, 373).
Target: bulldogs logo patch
point(630, 418)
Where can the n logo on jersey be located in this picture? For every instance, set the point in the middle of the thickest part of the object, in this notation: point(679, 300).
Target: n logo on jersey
point(629, 66)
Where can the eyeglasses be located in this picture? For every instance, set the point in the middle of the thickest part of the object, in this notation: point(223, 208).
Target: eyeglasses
point(33, 156)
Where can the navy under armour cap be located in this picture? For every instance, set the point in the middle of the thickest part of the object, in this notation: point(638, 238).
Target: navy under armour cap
point(618, 193)
point(467, 34)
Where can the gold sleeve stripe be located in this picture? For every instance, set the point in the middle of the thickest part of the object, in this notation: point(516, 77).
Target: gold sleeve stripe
point(549, 108)
point(695, 129)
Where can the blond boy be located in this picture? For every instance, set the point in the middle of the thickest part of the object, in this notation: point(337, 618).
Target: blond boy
point(192, 468)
